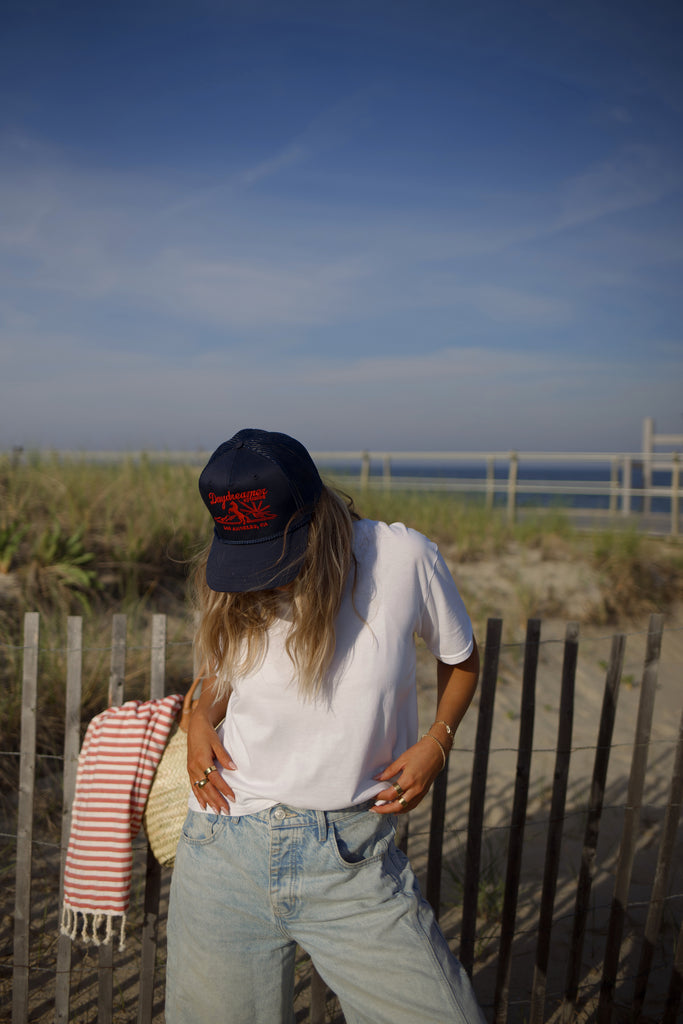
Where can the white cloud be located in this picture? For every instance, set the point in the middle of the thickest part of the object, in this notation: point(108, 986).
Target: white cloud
point(242, 294)
point(159, 283)
point(634, 177)
point(98, 236)
point(287, 157)
point(95, 245)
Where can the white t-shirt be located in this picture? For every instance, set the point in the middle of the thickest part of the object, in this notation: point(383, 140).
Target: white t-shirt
point(324, 754)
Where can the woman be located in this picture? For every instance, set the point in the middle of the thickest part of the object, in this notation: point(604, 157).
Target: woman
point(308, 616)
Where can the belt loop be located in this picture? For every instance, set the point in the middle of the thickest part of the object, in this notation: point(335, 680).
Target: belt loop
point(322, 825)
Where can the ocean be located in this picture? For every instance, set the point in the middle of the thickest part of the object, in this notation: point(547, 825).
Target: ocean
point(566, 485)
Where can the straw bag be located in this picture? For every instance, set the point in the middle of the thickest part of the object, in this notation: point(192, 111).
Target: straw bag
point(166, 805)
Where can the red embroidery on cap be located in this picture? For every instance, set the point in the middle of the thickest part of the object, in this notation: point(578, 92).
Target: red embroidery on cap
point(244, 512)
point(222, 499)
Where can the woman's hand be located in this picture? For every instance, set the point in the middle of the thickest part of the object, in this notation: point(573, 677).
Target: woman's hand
point(413, 774)
point(414, 771)
point(204, 750)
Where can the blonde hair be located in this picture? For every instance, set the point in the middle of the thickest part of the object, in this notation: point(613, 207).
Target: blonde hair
point(233, 627)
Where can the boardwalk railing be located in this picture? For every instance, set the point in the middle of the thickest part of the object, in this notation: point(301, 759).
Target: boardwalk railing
point(641, 487)
point(48, 972)
point(514, 479)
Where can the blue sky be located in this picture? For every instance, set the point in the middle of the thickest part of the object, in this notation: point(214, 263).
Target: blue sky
point(388, 224)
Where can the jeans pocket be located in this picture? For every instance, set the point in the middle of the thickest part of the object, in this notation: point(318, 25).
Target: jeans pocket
point(362, 838)
point(200, 829)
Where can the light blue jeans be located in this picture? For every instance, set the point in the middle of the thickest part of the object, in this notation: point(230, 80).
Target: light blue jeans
point(247, 890)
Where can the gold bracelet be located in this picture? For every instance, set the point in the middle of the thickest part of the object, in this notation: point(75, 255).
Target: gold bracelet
point(440, 745)
point(451, 733)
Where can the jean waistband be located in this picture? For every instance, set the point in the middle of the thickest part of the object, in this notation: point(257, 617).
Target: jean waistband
point(282, 816)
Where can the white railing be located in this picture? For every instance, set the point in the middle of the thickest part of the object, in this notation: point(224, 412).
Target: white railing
point(501, 477)
point(376, 470)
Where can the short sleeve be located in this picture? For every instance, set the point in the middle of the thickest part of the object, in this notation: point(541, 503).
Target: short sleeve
point(445, 625)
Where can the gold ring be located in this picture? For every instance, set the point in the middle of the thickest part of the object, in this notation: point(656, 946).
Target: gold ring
point(207, 771)
point(200, 783)
point(402, 802)
point(399, 788)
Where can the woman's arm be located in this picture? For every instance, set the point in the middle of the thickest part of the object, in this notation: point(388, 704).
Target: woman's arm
point(204, 749)
point(415, 770)
point(456, 686)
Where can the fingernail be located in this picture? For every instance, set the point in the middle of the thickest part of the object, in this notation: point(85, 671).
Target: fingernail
point(232, 765)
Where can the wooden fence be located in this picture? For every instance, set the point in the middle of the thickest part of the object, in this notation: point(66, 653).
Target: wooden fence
point(617, 497)
point(47, 974)
point(651, 442)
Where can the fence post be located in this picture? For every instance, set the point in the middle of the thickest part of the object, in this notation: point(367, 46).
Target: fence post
point(555, 826)
point(675, 994)
point(72, 736)
point(27, 774)
point(662, 873)
point(675, 492)
point(153, 873)
point(105, 1000)
point(490, 482)
point(512, 486)
point(590, 841)
point(631, 820)
point(487, 693)
point(514, 864)
point(435, 849)
point(614, 486)
point(318, 1005)
point(364, 471)
point(648, 437)
point(118, 660)
point(626, 487)
point(386, 474)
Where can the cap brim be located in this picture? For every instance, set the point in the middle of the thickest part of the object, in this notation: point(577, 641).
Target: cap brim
point(262, 565)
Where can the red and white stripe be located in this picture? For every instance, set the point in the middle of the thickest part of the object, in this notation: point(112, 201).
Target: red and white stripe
point(120, 754)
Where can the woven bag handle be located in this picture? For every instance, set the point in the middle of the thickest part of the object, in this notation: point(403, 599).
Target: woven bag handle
point(188, 705)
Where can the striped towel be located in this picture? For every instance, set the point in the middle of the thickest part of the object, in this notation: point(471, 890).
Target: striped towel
point(120, 753)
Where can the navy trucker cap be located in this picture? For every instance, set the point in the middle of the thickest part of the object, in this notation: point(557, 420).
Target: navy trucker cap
point(260, 488)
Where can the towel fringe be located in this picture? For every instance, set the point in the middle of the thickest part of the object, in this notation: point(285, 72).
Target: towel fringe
point(87, 926)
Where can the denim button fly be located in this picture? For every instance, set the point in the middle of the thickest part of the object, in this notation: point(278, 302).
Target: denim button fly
point(280, 814)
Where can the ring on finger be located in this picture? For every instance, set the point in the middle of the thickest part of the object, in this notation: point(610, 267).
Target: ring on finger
point(402, 801)
point(211, 768)
point(399, 788)
point(200, 783)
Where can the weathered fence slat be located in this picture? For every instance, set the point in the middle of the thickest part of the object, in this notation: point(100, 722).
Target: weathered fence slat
point(157, 668)
point(634, 801)
point(675, 493)
point(318, 997)
point(590, 842)
point(318, 994)
point(487, 692)
point(674, 996)
point(435, 849)
point(517, 821)
point(661, 880)
point(72, 736)
point(512, 487)
point(555, 826)
point(117, 671)
point(27, 774)
point(153, 873)
point(105, 1001)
